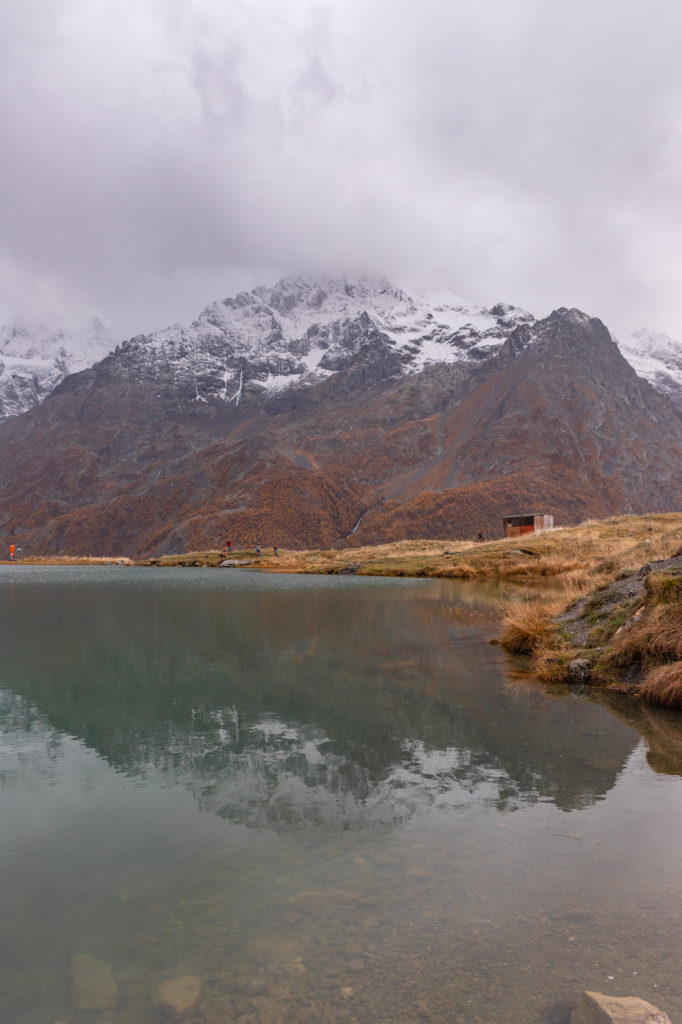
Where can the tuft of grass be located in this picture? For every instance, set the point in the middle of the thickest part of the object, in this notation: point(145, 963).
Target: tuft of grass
point(663, 685)
point(664, 587)
point(551, 663)
point(461, 571)
point(654, 636)
point(527, 625)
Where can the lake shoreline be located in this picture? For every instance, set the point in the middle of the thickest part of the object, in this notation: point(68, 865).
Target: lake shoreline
point(576, 635)
point(597, 546)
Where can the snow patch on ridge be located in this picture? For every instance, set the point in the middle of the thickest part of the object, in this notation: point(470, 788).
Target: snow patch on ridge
point(657, 358)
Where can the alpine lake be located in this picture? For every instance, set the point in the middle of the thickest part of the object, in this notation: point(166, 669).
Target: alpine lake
point(323, 799)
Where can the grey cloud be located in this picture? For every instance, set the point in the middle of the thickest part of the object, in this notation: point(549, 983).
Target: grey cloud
point(164, 153)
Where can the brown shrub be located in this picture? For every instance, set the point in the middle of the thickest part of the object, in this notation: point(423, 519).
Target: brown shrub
point(663, 685)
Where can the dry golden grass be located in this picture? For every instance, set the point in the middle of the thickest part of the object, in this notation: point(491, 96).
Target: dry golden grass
point(527, 625)
point(655, 635)
point(551, 663)
point(528, 622)
point(588, 552)
point(663, 685)
point(582, 552)
point(460, 571)
point(634, 634)
point(663, 587)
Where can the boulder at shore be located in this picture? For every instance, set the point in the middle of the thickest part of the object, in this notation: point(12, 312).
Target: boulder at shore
point(597, 1008)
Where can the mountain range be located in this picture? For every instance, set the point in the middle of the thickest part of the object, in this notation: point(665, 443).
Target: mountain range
point(342, 411)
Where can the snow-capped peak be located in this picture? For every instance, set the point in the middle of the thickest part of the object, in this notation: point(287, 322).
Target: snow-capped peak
point(36, 357)
point(294, 334)
point(657, 358)
point(300, 331)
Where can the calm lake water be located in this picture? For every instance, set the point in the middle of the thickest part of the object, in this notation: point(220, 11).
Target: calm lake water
point(328, 798)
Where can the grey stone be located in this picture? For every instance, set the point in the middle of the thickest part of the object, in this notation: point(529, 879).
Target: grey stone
point(579, 671)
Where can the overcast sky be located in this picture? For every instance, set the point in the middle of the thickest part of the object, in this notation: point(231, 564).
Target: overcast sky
point(160, 154)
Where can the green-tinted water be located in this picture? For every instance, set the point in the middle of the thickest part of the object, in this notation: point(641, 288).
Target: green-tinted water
point(323, 798)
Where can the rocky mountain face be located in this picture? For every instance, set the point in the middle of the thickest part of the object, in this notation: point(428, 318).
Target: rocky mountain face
point(314, 414)
point(34, 359)
point(279, 340)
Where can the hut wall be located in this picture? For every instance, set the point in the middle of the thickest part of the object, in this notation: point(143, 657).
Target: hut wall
point(516, 526)
point(518, 531)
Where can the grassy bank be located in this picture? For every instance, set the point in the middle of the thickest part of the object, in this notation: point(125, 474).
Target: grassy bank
point(580, 556)
point(617, 624)
point(578, 553)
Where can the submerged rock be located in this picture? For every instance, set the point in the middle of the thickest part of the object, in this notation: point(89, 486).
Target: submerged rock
point(178, 997)
point(92, 983)
point(597, 1008)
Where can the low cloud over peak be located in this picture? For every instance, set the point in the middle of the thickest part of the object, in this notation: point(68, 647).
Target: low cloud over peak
point(163, 154)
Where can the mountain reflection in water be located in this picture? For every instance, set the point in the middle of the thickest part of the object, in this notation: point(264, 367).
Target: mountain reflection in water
point(289, 702)
point(299, 790)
